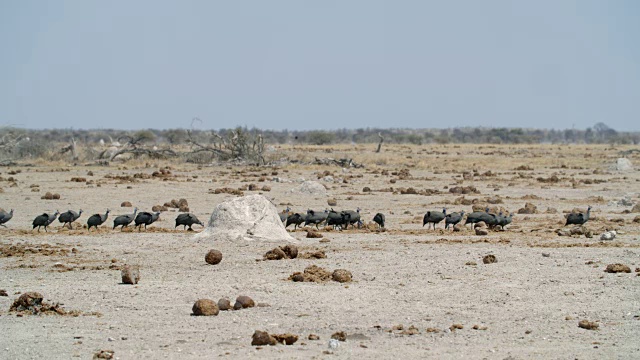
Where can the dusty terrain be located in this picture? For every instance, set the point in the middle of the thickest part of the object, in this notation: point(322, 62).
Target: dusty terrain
point(526, 305)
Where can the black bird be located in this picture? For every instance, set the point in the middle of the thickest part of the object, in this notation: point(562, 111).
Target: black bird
point(146, 218)
point(316, 217)
point(295, 219)
point(284, 214)
point(453, 219)
point(96, 220)
point(504, 221)
point(338, 220)
point(44, 220)
point(379, 219)
point(124, 220)
point(5, 217)
point(69, 217)
point(187, 220)
point(476, 216)
point(434, 217)
point(354, 217)
point(578, 218)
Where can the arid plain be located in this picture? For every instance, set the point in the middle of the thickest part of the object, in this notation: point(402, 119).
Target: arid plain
point(416, 293)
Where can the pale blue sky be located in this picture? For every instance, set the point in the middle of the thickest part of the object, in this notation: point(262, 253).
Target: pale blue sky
point(320, 64)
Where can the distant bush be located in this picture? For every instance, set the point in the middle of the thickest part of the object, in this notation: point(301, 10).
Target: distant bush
point(319, 137)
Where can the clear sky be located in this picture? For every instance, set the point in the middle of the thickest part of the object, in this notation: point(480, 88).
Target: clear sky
point(326, 64)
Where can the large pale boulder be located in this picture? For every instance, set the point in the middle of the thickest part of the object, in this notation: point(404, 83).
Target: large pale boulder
point(310, 188)
point(251, 217)
point(622, 164)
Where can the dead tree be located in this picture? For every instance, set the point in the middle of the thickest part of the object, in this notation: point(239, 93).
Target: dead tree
point(238, 145)
point(71, 147)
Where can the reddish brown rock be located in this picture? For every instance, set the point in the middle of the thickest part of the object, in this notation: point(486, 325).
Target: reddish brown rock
point(205, 307)
point(213, 257)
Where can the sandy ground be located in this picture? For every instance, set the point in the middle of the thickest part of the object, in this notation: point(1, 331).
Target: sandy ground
point(526, 305)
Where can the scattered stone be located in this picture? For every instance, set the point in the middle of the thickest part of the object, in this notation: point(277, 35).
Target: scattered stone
point(159, 208)
point(341, 275)
point(243, 302)
point(130, 274)
point(528, 208)
point(125, 204)
point(608, 235)
point(332, 202)
point(589, 325)
point(563, 232)
point(224, 304)
point(213, 257)
point(412, 330)
point(480, 225)
point(432, 330)
point(275, 254)
point(313, 234)
point(313, 337)
point(617, 268)
point(455, 327)
point(287, 339)
point(489, 259)
point(319, 254)
point(27, 301)
point(312, 273)
point(479, 327)
point(261, 338)
point(622, 164)
point(457, 227)
point(30, 303)
point(482, 231)
point(104, 354)
point(205, 307)
point(291, 251)
point(340, 336)
point(471, 263)
point(366, 189)
point(3, 293)
point(546, 254)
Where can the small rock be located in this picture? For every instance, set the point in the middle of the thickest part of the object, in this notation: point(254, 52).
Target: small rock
point(332, 202)
point(480, 225)
point(243, 302)
point(333, 344)
point(130, 274)
point(341, 275)
point(275, 254)
point(455, 327)
point(291, 251)
point(313, 337)
point(366, 189)
point(340, 336)
point(287, 339)
point(458, 227)
point(608, 235)
point(489, 259)
point(125, 204)
point(313, 234)
point(471, 263)
point(213, 257)
point(205, 307)
point(104, 354)
point(224, 304)
point(261, 338)
point(617, 268)
point(546, 255)
point(589, 325)
point(482, 231)
point(3, 293)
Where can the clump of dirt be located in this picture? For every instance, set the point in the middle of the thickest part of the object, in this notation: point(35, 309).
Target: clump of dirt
point(464, 190)
point(528, 208)
point(130, 274)
point(411, 330)
point(104, 354)
point(126, 204)
point(20, 250)
point(213, 257)
point(455, 327)
point(341, 275)
point(589, 325)
point(286, 339)
point(332, 202)
point(524, 168)
point(243, 302)
point(366, 189)
point(159, 208)
point(550, 180)
point(282, 252)
point(340, 336)
point(227, 190)
point(313, 234)
point(313, 337)
point(205, 307)
point(617, 268)
point(318, 254)
point(224, 304)
point(312, 273)
point(479, 327)
point(78, 179)
point(261, 338)
point(50, 196)
point(482, 231)
point(489, 259)
point(3, 292)
point(31, 303)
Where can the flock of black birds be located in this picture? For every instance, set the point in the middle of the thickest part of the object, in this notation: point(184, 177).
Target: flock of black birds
point(337, 219)
point(95, 220)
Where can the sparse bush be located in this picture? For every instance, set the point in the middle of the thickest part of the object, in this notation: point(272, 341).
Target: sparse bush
point(319, 137)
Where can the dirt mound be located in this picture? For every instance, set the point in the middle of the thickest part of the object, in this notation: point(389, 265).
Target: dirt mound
point(251, 217)
point(312, 273)
point(31, 303)
point(310, 188)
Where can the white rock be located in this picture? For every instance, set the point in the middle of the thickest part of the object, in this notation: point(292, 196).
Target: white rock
point(623, 164)
point(333, 344)
point(251, 217)
point(609, 235)
point(309, 188)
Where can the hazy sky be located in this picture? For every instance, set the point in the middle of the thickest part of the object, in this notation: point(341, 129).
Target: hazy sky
point(320, 64)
